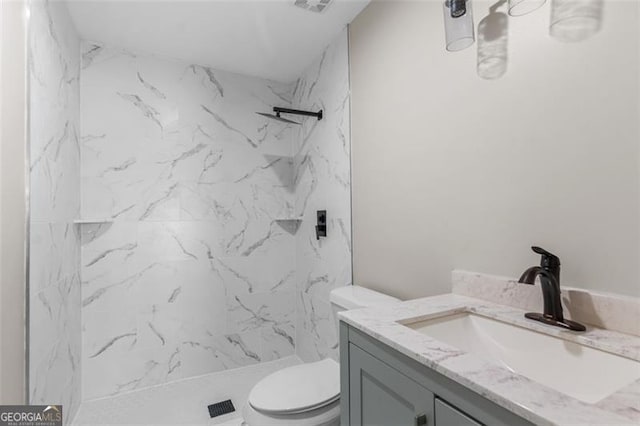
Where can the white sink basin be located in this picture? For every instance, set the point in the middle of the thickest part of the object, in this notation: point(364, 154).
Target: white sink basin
point(581, 372)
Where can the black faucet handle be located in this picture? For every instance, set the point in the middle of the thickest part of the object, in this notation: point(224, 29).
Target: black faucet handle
point(548, 260)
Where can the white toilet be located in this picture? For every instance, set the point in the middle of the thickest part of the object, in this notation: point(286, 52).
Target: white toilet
point(308, 394)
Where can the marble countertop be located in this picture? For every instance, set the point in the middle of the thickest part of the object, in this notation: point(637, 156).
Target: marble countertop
point(518, 394)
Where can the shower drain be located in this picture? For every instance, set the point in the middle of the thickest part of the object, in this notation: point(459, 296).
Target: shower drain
point(221, 408)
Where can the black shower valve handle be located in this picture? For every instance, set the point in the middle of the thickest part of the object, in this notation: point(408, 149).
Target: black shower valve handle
point(321, 224)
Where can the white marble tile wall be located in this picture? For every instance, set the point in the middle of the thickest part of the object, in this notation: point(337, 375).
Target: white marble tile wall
point(54, 344)
point(193, 274)
point(322, 182)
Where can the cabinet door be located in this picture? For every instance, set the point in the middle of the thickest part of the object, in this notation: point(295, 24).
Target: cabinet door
point(446, 415)
point(381, 395)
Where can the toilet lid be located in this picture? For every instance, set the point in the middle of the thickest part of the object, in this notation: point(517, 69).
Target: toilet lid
point(298, 389)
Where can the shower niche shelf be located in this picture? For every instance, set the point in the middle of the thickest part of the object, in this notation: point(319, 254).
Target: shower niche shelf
point(288, 219)
point(289, 224)
point(92, 221)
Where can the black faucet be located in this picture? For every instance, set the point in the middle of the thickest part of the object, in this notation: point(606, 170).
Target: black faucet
point(549, 274)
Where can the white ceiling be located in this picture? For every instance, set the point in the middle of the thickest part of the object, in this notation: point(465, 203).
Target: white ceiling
point(267, 38)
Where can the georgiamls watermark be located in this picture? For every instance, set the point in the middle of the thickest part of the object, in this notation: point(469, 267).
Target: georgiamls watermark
point(30, 415)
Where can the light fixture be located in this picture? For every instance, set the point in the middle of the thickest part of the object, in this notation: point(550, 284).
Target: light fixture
point(575, 20)
point(571, 20)
point(458, 24)
point(522, 7)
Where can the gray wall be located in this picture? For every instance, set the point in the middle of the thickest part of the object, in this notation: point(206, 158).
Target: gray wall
point(453, 171)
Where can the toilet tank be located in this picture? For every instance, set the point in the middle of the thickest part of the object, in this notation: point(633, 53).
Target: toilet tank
point(354, 297)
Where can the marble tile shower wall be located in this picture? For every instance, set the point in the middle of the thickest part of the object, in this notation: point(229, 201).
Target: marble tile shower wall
point(54, 296)
point(189, 271)
point(322, 182)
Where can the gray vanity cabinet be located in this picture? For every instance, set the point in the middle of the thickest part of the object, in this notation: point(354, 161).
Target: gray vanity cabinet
point(381, 386)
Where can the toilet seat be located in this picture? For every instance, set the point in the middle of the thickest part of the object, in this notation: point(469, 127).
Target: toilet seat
point(298, 389)
point(308, 394)
point(329, 415)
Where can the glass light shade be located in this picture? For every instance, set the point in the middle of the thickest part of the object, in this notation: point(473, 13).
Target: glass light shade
point(575, 20)
point(522, 7)
point(492, 45)
point(458, 31)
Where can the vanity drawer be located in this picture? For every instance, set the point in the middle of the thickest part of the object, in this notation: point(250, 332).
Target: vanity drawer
point(446, 415)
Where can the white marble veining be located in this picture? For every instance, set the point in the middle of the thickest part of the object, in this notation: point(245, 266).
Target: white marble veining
point(526, 398)
point(322, 182)
point(609, 311)
point(183, 265)
point(54, 267)
point(193, 275)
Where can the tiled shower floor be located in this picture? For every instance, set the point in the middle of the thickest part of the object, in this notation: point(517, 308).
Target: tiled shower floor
point(182, 402)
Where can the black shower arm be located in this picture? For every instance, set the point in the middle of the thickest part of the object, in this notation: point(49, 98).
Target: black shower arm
point(318, 114)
